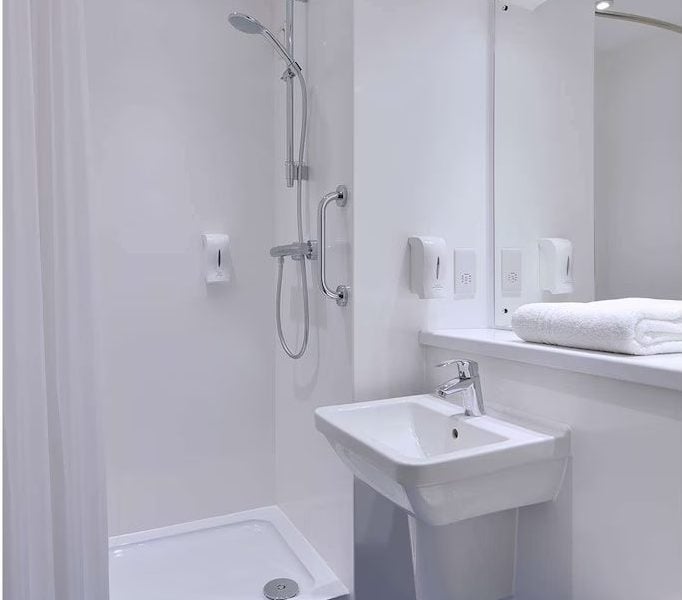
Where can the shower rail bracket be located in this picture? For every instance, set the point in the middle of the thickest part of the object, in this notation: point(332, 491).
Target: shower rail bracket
point(288, 74)
point(292, 170)
point(313, 250)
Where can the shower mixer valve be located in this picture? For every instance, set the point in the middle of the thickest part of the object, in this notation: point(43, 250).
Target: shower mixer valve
point(296, 250)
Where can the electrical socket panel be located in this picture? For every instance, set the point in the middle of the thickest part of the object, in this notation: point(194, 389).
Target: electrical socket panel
point(512, 271)
point(465, 273)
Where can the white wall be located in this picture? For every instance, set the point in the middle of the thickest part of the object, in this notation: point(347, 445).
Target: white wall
point(616, 529)
point(638, 156)
point(182, 111)
point(544, 100)
point(421, 167)
point(313, 487)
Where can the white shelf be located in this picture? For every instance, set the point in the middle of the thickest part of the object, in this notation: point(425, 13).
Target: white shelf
point(662, 370)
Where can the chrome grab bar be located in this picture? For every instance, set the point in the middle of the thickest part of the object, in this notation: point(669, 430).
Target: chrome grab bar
point(340, 196)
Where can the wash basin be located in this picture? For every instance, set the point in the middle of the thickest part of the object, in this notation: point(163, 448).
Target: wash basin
point(424, 454)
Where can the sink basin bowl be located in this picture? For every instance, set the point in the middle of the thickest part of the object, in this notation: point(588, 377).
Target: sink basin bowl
point(426, 456)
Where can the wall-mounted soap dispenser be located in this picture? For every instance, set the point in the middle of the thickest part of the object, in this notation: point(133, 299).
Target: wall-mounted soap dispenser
point(216, 257)
point(556, 265)
point(429, 266)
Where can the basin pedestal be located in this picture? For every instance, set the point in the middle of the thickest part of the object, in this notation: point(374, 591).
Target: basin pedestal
point(467, 560)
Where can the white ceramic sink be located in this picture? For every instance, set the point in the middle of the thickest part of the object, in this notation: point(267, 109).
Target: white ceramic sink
point(425, 455)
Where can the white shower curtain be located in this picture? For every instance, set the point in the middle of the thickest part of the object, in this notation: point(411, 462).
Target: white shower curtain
point(55, 539)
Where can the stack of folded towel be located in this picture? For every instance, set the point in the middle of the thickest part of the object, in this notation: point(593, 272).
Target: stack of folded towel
point(629, 325)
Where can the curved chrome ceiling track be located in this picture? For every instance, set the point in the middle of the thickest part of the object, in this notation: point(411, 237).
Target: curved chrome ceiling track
point(610, 14)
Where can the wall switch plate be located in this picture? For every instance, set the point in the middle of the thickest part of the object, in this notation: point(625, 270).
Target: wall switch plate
point(512, 271)
point(465, 272)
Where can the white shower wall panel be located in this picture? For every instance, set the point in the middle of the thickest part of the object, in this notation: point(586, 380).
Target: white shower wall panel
point(182, 124)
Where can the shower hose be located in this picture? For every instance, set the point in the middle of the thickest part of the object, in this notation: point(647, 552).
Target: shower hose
point(296, 353)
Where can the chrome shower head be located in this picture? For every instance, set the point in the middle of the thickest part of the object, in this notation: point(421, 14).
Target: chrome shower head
point(247, 24)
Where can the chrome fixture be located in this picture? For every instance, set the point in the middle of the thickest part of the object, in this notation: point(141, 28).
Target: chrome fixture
point(603, 10)
point(341, 293)
point(296, 250)
point(280, 589)
point(467, 385)
point(247, 24)
point(294, 171)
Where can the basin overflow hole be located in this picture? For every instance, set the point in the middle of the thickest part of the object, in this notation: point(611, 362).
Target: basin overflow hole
point(455, 433)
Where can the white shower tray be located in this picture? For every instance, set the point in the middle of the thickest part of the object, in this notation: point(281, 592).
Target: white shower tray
point(229, 557)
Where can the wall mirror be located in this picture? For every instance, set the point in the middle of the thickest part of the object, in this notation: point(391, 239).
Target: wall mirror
point(588, 151)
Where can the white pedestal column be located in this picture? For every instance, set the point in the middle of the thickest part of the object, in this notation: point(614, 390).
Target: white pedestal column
point(468, 560)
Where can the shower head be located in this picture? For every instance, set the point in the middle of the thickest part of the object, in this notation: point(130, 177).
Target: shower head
point(247, 24)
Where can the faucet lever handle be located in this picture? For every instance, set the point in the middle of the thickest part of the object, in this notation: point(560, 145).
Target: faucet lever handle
point(447, 363)
point(466, 368)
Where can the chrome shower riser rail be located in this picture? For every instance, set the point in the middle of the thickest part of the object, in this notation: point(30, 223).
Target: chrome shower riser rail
point(632, 18)
point(291, 167)
point(288, 77)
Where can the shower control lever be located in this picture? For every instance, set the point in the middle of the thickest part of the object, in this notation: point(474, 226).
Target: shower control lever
point(340, 196)
point(296, 250)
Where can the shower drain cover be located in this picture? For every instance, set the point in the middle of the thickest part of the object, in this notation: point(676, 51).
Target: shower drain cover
point(280, 589)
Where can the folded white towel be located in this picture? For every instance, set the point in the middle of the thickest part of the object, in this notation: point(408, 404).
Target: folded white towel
point(628, 325)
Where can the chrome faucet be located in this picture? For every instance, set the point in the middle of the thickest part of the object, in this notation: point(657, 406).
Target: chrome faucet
point(467, 384)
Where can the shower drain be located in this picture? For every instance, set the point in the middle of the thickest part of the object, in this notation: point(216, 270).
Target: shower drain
point(280, 589)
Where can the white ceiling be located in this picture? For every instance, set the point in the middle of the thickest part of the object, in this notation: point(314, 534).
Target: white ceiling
point(611, 33)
